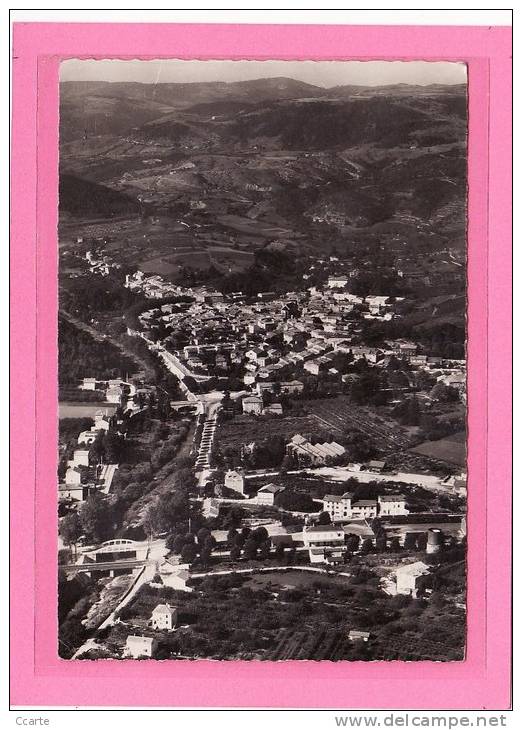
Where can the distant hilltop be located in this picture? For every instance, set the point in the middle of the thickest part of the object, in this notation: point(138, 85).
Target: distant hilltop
point(257, 89)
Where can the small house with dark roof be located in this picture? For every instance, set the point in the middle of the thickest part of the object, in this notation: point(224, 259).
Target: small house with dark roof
point(376, 465)
point(267, 494)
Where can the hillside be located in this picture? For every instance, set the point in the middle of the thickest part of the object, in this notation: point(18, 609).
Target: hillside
point(118, 107)
point(81, 197)
point(249, 162)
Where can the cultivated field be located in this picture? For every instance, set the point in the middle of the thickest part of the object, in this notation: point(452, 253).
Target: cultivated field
point(338, 414)
point(253, 227)
point(245, 429)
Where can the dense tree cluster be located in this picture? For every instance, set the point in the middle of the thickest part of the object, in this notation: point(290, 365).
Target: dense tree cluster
point(81, 356)
point(86, 297)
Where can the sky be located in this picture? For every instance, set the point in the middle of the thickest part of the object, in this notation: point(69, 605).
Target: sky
point(319, 73)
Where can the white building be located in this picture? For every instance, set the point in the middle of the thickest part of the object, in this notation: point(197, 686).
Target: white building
point(87, 437)
point(357, 635)
point(73, 476)
point(392, 504)
point(175, 578)
point(315, 454)
point(337, 282)
point(344, 296)
point(88, 384)
point(253, 404)
point(376, 304)
point(338, 507)
point(113, 395)
point(140, 646)
point(164, 617)
point(78, 492)
point(325, 543)
point(235, 480)
point(267, 494)
point(101, 421)
point(80, 458)
point(211, 507)
point(407, 577)
point(364, 509)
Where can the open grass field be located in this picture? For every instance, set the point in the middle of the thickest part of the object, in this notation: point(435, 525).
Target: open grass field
point(160, 265)
point(291, 579)
point(451, 449)
point(252, 227)
point(222, 258)
point(230, 259)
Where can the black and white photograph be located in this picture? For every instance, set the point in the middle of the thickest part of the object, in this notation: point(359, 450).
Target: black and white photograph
point(262, 360)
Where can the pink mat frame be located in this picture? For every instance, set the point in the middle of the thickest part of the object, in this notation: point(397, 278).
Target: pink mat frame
point(39, 677)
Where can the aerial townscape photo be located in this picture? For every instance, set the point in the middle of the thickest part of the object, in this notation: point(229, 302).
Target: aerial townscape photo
point(262, 360)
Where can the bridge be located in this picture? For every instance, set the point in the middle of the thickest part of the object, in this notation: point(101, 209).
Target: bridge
point(111, 568)
point(113, 556)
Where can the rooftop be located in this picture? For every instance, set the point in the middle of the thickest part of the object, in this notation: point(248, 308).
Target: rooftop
point(413, 569)
point(272, 488)
point(164, 608)
point(140, 640)
point(336, 497)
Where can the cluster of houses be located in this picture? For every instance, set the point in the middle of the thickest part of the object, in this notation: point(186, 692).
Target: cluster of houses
point(268, 336)
point(282, 339)
point(100, 263)
point(115, 391)
point(327, 544)
point(235, 481)
point(339, 507)
point(152, 286)
point(81, 478)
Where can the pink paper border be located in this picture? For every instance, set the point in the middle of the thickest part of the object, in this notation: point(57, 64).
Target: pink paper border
point(38, 676)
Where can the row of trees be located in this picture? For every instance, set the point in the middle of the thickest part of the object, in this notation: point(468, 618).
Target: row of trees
point(247, 543)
